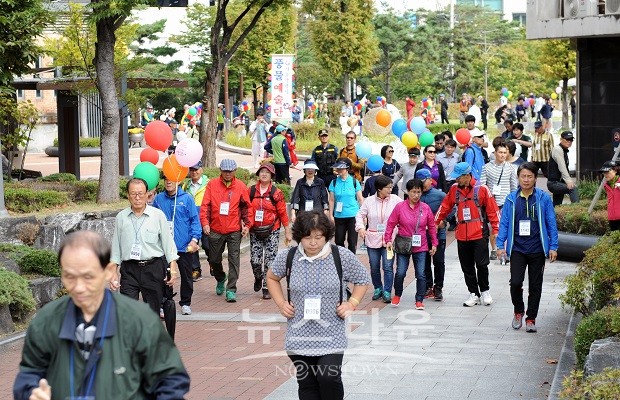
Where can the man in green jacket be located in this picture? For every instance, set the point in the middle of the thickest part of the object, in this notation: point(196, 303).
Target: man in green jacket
point(95, 343)
point(278, 146)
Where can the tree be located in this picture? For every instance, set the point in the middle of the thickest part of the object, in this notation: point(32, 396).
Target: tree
point(342, 36)
point(558, 62)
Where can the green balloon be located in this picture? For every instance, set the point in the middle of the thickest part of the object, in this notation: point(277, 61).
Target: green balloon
point(426, 139)
point(149, 172)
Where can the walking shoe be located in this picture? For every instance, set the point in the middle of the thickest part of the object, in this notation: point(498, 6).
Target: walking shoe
point(419, 305)
point(161, 313)
point(472, 300)
point(493, 255)
point(185, 310)
point(219, 288)
point(429, 293)
point(266, 295)
point(487, 300)
point(438, 293)
point(196, 275)
point(396, 301)
point(258, 284)
point(517, 321)
point(377, 294)
point(230, 297)
point(387, 297)
point(530, 325)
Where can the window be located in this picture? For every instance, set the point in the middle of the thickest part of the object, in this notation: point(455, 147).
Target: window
point(39, 94)
point(520, 18)
point(20, 94)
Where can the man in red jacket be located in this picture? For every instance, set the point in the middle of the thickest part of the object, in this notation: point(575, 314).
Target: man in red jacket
point(476, 208)
point(225, 215)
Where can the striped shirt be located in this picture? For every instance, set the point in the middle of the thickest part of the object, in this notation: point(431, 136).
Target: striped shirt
point(541, 147)
point(448, 163)
point(503, 176)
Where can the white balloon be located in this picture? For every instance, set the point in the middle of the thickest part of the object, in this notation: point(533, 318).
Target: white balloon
point(558, 90)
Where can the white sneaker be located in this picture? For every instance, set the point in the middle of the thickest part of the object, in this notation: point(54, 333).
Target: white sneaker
point(185, 310)
point(472, 300)
point(487, 300)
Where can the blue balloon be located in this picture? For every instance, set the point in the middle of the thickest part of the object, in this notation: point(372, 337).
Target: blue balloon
point(399, 127)
point(363, 149)
point(375, 163)
point(417, 125)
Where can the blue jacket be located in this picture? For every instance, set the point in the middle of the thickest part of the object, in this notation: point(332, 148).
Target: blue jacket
point(474, 157)
point(546, 221)
point(433, 197)
point(186, 221)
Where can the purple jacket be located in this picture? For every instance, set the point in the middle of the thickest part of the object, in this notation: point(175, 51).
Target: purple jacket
point(406, 218)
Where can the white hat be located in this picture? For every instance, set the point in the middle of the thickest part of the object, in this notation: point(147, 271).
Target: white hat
point(309, 164)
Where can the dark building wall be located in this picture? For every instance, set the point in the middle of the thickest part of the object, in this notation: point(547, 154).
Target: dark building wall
point(598, 69)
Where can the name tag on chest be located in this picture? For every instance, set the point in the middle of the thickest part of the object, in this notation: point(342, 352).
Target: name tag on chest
point(309, 205)
point(416, 240)
point(224, 208)
point(497, 190)
point(258, 217)
point(339, 206)
point(524, 227)
point(136, 252)
point(466, 214)
point(312, 307)
point(381, 228)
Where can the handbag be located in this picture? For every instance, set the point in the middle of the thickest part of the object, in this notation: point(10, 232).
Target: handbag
point(262, 232)
point(402, 244)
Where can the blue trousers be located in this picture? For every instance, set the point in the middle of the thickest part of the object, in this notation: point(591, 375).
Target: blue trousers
point(402, 264)
point(378, 258)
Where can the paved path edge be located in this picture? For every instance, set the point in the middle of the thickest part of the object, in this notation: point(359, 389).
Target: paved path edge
point(566, 363)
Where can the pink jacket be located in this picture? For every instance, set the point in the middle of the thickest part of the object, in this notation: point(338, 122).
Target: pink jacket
point(613, 200)
point(375, 211)
point(406, 218)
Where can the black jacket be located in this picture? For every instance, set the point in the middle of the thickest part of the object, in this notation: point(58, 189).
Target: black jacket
point(325, 159)
point(315, 192)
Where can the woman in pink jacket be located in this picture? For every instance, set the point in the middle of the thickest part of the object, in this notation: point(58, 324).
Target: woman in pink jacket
point(413, 219)
point(370, 223)
point(611, 169)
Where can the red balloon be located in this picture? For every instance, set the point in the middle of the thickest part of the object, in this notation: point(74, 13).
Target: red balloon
point(463, 136)
point(149, 155)
point(158, 135)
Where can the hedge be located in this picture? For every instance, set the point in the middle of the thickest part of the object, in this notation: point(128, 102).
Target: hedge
point(15, 292)
point(600, 325)
point(574, 218)
point(84, 142)
point(38, 261)
point(602, 386)
point(23, 200)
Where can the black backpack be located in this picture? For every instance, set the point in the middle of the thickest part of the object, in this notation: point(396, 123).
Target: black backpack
point(289, 265)
point(271, 194)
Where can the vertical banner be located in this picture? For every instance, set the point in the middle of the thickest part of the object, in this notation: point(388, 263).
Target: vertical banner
point(281, 87)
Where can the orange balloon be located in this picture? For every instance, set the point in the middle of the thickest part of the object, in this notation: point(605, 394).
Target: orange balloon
point(174, 171)
point(384, 118)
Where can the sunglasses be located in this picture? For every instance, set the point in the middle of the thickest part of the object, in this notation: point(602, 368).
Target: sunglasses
point(431, 151)
point(390, 151)
point(569, 140)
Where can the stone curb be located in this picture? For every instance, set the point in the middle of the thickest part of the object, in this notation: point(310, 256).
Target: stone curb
point(567, 359)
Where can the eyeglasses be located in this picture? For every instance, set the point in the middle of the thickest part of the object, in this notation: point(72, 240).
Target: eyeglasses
point(137, 194)
point(390, 151)
point(569, 140)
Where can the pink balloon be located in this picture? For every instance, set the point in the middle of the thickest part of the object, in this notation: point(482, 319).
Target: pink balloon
point(188, 152)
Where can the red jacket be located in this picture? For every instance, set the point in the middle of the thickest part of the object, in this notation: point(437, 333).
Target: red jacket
point(240, 209)
point(472, 229)
point(273, 214)
point(613, 200)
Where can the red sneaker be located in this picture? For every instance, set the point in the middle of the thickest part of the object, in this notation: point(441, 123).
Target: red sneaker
point(419, 305)
point(395, 301)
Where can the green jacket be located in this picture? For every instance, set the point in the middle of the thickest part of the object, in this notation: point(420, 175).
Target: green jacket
point(198, 194)
point(138, 359)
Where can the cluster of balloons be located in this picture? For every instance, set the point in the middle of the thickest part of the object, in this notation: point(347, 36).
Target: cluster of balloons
point(158, 137)
point(382, 100)
point(506, 93)
point(245, 106)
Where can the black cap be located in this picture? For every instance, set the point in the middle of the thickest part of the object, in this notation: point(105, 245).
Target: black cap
point(568, 135)
point(608, 166)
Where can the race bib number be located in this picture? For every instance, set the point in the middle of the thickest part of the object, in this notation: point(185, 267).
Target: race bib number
point(312, 307)
point(497, 190)
point(466, 214)
point(524, 228)
point(224, 208)
point(136, 252)
point(258, 217)
point(416, 240)
point(309, 205)
point(381, 228)
point(339, 206)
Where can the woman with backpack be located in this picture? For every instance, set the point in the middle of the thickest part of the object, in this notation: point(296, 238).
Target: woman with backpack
point(315, 305)
point(269, 213)
point(345, 199)
point(309, 193)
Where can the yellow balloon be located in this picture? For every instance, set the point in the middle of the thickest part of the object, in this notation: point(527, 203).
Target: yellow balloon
point(554, 96)
point(409, 139)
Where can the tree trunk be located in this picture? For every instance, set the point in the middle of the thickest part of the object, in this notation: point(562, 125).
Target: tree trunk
point(565, 123)
point(106, 83)
point(265, 98)
point(388, 91)
point(83, 116)
point(208, 121)
point(346, 86)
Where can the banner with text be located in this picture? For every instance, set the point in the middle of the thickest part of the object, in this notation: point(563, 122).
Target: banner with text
point(281, 87)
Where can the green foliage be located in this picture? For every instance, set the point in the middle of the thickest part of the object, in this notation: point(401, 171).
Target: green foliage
point(59, 177)
point(602, 386)
point(287, 190)
point(596, 283)
point(588, 188)
point(37, 261)
point(14, 251)
point(24, 200)
point(575, 218)
point(15, 292)
point(602, 324)
point(439, 128)
point(244, 175)
point(17, 122)
point(90, 142)
point(85, 191)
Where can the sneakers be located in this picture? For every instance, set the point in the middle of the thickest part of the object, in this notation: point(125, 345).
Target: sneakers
point(472, 300)
point(231, 297)
point(161, 313)
point(396, 301)
point(219, 288)
point(438, 293)
point(387, 297)
point(377, 294)
point(487, 300)
point(429, 293)
point(517, 321)
point(258, 284)
point(266, 295)
point(185, 310)
point(196, 275)
point(530, 325)
point(493, 255)
point(419, 305)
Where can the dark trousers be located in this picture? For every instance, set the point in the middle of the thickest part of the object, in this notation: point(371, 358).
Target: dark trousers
point(614, 225)
point(346, 227)
point(444, 118)
point(185, 264)
point(535, 264)
point(319, 377)
point(474, 258)
point(217, 242)
point(484, 123)
point(282, 174)
point(559, 189)
point(439, 262)
point(204, 243)
point(327, 178)
point(543, 166)
point(147, 280)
